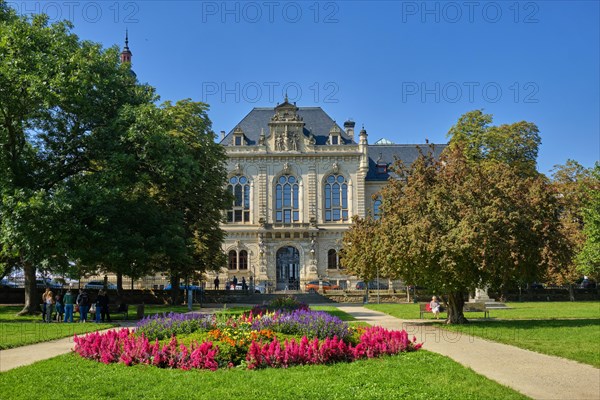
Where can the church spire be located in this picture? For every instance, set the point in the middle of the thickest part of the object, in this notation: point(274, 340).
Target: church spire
point(126, 53)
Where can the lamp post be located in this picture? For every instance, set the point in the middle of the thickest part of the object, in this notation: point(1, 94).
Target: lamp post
point(377, 283)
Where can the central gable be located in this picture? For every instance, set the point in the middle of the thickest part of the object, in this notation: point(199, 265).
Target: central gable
point(310, 124)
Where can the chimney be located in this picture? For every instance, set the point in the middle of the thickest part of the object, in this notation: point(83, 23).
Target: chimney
point(349, 128)
point(222, 135)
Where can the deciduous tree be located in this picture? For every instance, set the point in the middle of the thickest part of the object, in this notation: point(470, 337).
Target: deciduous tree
point(571, 183)
point(453, 225)
point(588, 258)
point(58, 95)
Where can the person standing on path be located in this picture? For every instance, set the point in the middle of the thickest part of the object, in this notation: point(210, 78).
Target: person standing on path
point(68, 304)
point(83, 301)
point(60, 308)
point(44, 304)
point(217, 283)
point(103, 301)
point(98, 305)
point(49, 305)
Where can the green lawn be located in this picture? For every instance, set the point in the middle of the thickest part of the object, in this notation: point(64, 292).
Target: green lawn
point(15, 334)
point(419, 375)
point(9, 314)
point(335, 311)
point(18, 331)
point(563, 329)
point(532, 310)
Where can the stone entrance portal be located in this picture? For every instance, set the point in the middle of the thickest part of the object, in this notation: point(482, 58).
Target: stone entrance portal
point(288, 268)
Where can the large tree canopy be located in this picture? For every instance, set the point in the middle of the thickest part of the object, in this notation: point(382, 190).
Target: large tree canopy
point(479, 215)
point(514, 144)
point(157, 195)
point(58, 95)
point(572, 183)
point(91, 170)
point(588, 258)
point(453, 225)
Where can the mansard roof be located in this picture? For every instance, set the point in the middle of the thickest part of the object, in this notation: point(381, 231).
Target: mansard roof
point(316, 122)
point(387, 155)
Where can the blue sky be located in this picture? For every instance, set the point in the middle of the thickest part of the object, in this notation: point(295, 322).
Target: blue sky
point(406, 70)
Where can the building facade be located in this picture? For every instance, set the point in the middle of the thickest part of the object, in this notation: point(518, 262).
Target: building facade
point(297, 179)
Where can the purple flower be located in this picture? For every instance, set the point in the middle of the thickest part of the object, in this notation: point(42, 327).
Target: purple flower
point(304, 323)
point(161, 326)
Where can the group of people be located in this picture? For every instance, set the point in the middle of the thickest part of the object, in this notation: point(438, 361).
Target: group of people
point(61, 307)
point(232, 284)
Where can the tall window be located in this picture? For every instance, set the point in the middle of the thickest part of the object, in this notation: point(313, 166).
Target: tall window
point(332, 259)
point(376, 206)
point(232, 259)
point(336, 198)
point(239, 187)
point(286, 199)
point(243, 259)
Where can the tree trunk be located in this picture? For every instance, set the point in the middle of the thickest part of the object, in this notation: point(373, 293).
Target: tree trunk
point(456, 302)
point(571, 292)
point(175, 289)
point(119, 284)
point(32, 303)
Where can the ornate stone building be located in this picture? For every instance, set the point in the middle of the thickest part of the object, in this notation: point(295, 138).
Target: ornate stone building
point(298, 178)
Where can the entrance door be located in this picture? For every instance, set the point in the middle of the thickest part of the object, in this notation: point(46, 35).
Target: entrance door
point(288, 268)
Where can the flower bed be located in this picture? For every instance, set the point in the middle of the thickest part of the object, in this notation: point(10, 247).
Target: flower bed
point(270, 339)
point(304, 323)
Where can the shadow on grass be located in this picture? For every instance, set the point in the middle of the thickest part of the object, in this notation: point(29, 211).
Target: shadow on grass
point(536, 323)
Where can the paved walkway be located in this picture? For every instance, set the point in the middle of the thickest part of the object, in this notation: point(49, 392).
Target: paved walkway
point(533, 374)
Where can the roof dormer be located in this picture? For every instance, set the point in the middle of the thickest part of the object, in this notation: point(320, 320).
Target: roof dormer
point(382, 166)
point(239, 139)
point(335, 135)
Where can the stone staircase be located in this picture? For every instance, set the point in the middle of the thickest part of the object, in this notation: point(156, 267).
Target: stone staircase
point(236, 297)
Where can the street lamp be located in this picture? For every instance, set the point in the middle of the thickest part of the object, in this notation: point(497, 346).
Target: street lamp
point(377, 283)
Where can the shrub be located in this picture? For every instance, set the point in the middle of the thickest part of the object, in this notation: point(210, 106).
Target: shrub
point(281, 304)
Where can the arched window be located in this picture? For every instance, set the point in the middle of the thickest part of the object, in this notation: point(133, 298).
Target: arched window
point(239, 187)
point(287, 199)
point(232, 259)
point(332, 259)
point(336, 198)
point(243, 259)
point(376, 206)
